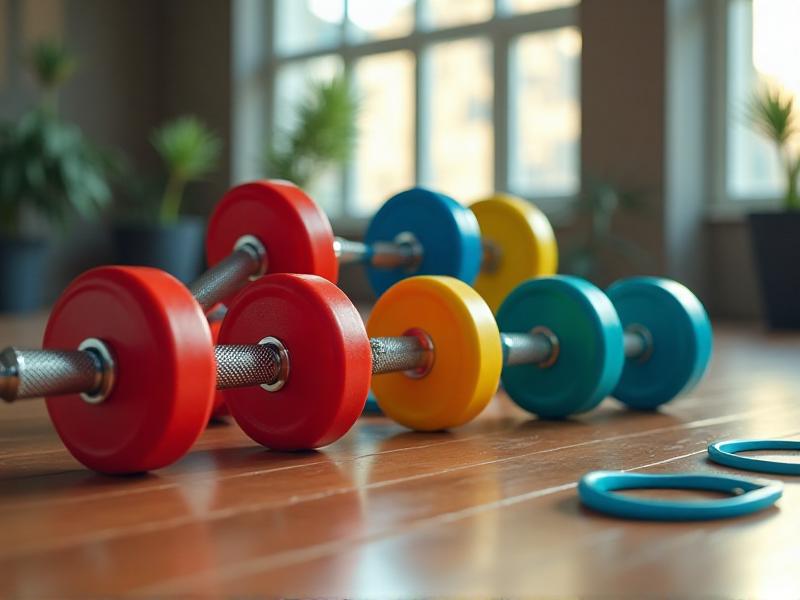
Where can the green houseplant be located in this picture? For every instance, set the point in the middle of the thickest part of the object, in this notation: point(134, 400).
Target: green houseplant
point(775, 234)
point(157, 234)
point(323, 136)
point(49, 173)
point(595, 243)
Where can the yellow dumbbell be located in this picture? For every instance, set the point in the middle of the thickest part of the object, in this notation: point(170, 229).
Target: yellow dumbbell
point(518, 244)
point(468, 356)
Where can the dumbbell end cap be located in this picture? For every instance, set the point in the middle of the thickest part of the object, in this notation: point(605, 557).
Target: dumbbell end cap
point(9, 374)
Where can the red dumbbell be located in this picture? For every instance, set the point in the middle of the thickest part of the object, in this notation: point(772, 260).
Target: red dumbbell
point(129, 369)
point(264, 227)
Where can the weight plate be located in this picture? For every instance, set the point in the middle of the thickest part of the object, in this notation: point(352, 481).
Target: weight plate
point(520, 244)
point(165, 369)
point(447, 232)
point(468, 355)
point(590, 354)
point(294, 230)
point(329, 356)
point(682, 340)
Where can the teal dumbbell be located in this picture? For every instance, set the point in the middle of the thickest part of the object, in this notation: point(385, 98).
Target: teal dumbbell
point(644, 341)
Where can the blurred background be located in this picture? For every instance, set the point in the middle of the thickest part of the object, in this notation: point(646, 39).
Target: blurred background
point(657, 135)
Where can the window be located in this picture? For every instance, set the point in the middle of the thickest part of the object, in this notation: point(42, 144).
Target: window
point(762, 49)
point(463, 96)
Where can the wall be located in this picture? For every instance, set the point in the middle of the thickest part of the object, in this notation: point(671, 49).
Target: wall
point(141, 62)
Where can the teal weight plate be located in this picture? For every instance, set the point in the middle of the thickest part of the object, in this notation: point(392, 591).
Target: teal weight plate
point(447, 231)
point(682, 340)
point(589, 332)
point(371, 406)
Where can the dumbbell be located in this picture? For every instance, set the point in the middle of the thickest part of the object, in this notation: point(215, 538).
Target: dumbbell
point(645, 341)
point(565, 345)
point(496, 244)
point(129, 370)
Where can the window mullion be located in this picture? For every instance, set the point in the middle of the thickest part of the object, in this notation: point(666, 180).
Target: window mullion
point(501, 109)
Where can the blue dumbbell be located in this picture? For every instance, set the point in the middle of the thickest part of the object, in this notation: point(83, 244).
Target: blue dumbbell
point(494, 244)
point(417, 232)
point(645, 341)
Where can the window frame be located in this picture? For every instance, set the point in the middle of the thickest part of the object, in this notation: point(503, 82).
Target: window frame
point(722, 204)
point(263, 63)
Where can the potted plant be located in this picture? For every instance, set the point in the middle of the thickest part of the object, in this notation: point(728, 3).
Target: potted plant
point(158, 235)
point(48, 173)
point(323, 137)
point(595, 244)
point(776, 235)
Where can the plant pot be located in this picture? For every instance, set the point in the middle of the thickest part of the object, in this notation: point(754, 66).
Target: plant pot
point(22, 274)
point(776, 245)
point(177, 248)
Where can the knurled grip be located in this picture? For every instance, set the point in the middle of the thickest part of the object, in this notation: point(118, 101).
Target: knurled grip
point(242, 366)
point(36, 373)
point(394, 354)
point(226, 277)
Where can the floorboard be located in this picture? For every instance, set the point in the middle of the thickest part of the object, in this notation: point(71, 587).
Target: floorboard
point(487, 510)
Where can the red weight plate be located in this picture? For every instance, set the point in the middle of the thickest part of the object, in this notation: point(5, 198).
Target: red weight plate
point(329, 356)
point(165, 369)
point(220, 409)
point(293, 229)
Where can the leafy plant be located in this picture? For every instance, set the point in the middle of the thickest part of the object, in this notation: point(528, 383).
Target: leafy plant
point(53, 65)
point(189, 151)
point(598, 204)
point(324, 135)
point(46, 164)
point(772, 114)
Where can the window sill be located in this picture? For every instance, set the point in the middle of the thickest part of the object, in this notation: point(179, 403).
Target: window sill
point(732, 211)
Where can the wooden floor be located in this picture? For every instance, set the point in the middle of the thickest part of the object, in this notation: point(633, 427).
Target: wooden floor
point(488, 510)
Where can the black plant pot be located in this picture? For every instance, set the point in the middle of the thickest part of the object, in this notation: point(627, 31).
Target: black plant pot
point(776, 244)
point(22, 274)
point(177, 248)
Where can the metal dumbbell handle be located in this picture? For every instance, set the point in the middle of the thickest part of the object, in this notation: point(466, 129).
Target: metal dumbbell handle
point(248, 259)
point(405, 252)
point(541, 346)
point(36, 373)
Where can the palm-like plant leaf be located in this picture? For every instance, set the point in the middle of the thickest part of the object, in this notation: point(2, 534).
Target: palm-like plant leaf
point(188, 148)
point(52, 64)
point(324, 135)
point(773, 114)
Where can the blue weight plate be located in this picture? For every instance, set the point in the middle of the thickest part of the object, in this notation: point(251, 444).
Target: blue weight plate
point(447, 231)
point(681, 334)
point(590, 355)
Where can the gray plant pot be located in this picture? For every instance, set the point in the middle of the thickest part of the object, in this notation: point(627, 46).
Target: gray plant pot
point(177, 249)
point(23, 264)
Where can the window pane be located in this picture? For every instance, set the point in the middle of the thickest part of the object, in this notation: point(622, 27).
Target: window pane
point(521, 6)
point(292, 84)
point(545, 113)
point(302, 25)
point(384, 162)
point(450, 13)
point(762, 53)
point(380, 19)
point(461, 130)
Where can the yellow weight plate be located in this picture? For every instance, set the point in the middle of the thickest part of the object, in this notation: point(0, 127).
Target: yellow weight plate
point(521, 245)
point(468, 356)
